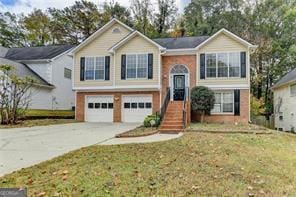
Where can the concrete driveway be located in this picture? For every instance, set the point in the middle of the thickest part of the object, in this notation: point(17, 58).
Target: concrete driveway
point(23, 147)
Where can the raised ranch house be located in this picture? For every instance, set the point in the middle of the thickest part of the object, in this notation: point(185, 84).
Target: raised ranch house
point(120, 75)
point(51, 67)
point(285, 102)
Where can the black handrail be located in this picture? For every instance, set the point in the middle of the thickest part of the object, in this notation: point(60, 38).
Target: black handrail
point(165, 102)
point(184, 107)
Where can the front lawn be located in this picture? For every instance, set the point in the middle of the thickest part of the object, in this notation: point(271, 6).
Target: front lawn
point(38, 122)
point(196, 164)
point(49, 113)
point(139, 132)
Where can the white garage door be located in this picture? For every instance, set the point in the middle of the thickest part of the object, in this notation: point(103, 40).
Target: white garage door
point(99, 109)
point(136, 107)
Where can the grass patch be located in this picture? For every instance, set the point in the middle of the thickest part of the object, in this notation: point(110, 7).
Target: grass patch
point(195, 164)
point(227, 128)
point(48, 113)
point(38, 122)
point(139, 131)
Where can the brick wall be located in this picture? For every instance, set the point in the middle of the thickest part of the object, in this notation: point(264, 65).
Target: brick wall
point(170, 61)
point(80, 102)
point(244, 112)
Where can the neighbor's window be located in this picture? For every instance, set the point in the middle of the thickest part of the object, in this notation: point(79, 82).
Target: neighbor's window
point(95, 68)
point(67, 73)
point(223, 65)
point(136, 66)
point(224, 102)
point(293, 90)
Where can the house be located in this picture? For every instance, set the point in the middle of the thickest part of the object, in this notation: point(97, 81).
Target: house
point(51, 67)
point(120, 75)
point(284, 94)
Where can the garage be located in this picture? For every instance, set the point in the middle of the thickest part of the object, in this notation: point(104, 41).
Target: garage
point(136, 107)
point(99, 109)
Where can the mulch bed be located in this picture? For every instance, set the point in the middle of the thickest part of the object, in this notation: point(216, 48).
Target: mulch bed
point(138, 132)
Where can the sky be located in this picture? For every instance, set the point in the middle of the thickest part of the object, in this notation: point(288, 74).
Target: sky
point(26, 6)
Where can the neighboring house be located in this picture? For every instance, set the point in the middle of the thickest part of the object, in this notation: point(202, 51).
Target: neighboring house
point(284, 92)
point(50, 65)
point(120, 75)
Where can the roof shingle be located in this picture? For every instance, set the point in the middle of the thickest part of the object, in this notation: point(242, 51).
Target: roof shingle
point(181, 42)
point(290, 76)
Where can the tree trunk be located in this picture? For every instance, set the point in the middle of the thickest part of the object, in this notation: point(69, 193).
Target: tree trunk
point(260, 69)
point(202, 117)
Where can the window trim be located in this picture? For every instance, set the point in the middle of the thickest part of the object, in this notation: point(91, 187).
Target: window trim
point(290, 88)
point(136, 78)
point(222, 102)
point(95, 68)
point(68, 69)
point(228, 60)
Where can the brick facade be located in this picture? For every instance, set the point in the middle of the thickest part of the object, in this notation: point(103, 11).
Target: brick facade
point(244, 112)
point(80, 102)
point(170, 61)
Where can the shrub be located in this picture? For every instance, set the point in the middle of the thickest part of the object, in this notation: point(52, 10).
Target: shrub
point(152, 120)
point(202, 100)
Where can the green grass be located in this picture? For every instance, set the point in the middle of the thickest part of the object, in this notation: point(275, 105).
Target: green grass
point(38, 122)
point(196, 164)
point(48, 113)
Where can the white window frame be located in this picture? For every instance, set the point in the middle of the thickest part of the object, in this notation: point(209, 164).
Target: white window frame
point(222, 102)
point(292, 86)
point(217, 77)
point(136, 54)
point(94, 77)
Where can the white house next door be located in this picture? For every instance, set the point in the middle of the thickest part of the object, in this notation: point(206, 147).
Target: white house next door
point(99, 109)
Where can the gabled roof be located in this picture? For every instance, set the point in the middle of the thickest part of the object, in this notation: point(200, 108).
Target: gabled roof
point(230, 34)
point(286, 79)
point(22, 70)
point(132, 35)
point(181, 42)
point(99, 31)
point(37, 53)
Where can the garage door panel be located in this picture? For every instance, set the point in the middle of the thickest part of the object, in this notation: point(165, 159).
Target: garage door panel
point(136, 108)
point(99, 109)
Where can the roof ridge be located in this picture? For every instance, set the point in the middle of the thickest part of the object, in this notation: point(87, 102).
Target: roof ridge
point(57, 45)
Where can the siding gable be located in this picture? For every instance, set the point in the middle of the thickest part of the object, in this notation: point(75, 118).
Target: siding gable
point(222, 42)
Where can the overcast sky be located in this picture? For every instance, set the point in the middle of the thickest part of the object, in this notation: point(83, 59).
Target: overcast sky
point(25, 6)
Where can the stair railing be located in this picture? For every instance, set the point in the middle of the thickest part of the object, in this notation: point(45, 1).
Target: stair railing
point(186, 96)
point(165, 103)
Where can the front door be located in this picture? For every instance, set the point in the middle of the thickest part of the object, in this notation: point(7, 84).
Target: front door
point(179, 87)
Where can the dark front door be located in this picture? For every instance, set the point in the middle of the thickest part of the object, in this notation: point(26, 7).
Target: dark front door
point(179, 87)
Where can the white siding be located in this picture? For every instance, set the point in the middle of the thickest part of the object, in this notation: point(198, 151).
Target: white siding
point(288, 108)
point(42, 69)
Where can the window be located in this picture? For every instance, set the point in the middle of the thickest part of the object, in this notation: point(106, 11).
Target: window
point(67, 73)
point(211, 65)
point(136, 66)
point(148, 105)
point(293, 90)
point(110, 105)
point(223, 65)
point(141, 105)
point(95, 68)
point(234, 64)
point(104, 105)
point(127, 105)
point(224, 102)
point(97, 105)
point(134, 105)
point(90, 105)
point(116, 30)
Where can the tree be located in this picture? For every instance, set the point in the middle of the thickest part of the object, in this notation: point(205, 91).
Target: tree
point(15, 94)
point(142, 11)
point(165, 17)
point(202, 100)
point(38, 28)
point(115, 10)
point(11, 30)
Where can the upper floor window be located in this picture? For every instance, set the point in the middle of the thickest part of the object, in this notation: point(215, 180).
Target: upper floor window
point(67, 73)
point(94, 68)
point(116, 30)
point(223, 65)
point(293, 90)
point(136, 66)
point(224, 102)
